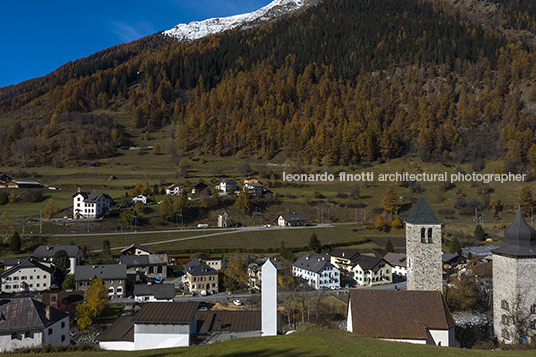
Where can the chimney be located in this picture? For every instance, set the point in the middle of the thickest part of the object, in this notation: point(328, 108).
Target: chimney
point(79, 189)
point(47, 312)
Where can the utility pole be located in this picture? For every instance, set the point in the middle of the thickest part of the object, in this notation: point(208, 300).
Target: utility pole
point(40, 221)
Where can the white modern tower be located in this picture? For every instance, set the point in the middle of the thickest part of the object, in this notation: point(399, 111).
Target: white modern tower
point(269, 299)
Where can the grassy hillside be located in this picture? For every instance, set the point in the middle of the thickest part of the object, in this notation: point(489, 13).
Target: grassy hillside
point(311, 341)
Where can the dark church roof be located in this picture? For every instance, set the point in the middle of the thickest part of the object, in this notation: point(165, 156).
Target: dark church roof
point(520, 239)
point(422, 213)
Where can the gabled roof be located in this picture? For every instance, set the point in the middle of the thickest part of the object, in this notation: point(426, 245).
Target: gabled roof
point(259, 263)
point(350, 254)
point(159, 291)
point(196, 267)
point(22, 314)
point(136, 246)
point(520, 238)
point(92, 197)
point(289, 217)
point(204, 257)
point(422, 213)
point(396, 259)
point(403, 314)
point(447, 257)
point(314, 263)
point(229, 321)
point(166, 312)
point(30, 262)
point(367, 262)
point(48, 251)
point(121, 330)
point(142, 260)
point(105, 272)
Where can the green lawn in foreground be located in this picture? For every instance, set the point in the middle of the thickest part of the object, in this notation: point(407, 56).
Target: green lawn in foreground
point(313, 342)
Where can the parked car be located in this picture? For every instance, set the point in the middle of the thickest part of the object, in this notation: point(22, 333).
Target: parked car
point(237, 302)
point(202, 225)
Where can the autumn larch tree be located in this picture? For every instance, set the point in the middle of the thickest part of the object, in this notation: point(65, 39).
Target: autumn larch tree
point(243, 202)
point(49, 209)
point(526, 201)
point(390, 200)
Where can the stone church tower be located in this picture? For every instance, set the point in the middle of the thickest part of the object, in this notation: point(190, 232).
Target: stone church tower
point(423, 249)
point(514, 283)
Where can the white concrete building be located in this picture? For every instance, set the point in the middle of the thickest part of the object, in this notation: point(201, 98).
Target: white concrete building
point(398, 263)
point(46, 253)
point(154, 293)
point(26, 275)
point(156, 325)
point(317, 271)
point(269, 299)
point(26, 322)
point(90, 205)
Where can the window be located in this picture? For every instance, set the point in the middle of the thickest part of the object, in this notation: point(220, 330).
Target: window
point(53, 298)
point(504, 319)
point(15, 278)
point(27, 334)
point(31, 277)
point(23, 278)
point(423, 237)
point(533, 309)
point(15, 286)
point(504, 305)
point(62, 338)
point(14, 336)
point(111, 290)
point(505, 334)
point(63, 324)
point(429, 235)
point(50, 331)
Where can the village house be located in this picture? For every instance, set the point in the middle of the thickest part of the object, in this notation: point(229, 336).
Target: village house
point(227, 186)
point(255, 189)
point(4, 179)
point(173, 190)
point(369, 271)
point(317, 271)
point(90, 205)
point(343, 259)
point(213, 262)
point(46, 253)
point(21, 184)
point(114, 278)
point(26, 275)
point(200, 278)
point(26, 323)
point(56, 298)
point(255, 271)
point(420, 317)
point(146, 267)
point(291, 220)
point(156, 325)
point(198, 187)
point(398, 263)
point(154, 292)
point(136, 249)
point(139, 198)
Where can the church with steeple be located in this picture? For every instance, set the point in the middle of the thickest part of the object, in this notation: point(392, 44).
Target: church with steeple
point(423, 249)
point(514, 283)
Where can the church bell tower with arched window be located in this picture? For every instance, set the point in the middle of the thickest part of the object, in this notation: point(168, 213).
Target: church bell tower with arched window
point(423, 249)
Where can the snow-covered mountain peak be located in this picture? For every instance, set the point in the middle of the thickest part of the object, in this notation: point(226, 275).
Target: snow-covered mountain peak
point(274, 10)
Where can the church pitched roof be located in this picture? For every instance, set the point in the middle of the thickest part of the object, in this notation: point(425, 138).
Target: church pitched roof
point(520, 238)
point(422, 213)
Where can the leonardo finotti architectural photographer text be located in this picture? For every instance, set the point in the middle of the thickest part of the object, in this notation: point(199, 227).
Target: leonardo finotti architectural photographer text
point(401, 177)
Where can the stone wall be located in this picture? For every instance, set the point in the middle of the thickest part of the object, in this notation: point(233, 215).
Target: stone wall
point(513, 284)
point(424, 264)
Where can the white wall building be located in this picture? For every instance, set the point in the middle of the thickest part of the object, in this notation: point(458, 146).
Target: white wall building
point(156, 325)
point(317, 271)
point(139, 198)
point(30, 274)
point(90, 205)
point(29, 323)
point(227, 185)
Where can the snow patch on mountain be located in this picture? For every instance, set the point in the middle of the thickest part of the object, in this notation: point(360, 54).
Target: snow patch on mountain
point(198, 29)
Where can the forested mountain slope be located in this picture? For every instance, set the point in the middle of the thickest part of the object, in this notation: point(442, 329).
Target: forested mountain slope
point(343, 82)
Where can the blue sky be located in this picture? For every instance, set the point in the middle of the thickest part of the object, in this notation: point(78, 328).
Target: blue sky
point(36, 37)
